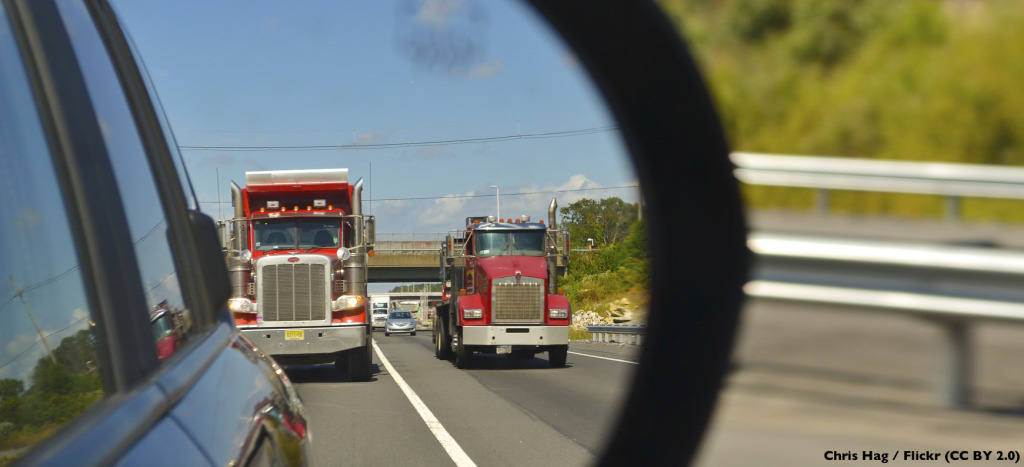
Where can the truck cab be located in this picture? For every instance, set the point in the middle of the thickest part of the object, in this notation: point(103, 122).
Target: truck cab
point(501, 294)
point(297, 251)
point(379, 310)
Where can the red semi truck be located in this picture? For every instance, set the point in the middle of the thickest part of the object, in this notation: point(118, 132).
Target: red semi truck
point(297, 251)
point(500, 290)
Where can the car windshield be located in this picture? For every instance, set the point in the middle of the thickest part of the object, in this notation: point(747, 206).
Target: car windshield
point(401, 315)
point(508, 243)
point(162, 327)
point(274, 234)
point(380, 311)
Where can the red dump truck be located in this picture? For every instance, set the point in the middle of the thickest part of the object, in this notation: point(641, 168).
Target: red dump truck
point(501, 290)
point(297, 251)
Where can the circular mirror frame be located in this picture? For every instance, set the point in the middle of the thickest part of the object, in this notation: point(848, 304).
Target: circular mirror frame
point(696, 228)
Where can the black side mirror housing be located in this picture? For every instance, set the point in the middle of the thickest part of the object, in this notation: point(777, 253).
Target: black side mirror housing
point(215, 286)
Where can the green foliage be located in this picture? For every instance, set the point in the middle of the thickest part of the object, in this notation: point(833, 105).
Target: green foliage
point(11, 388)
point(754, 21)
point(60, 389)
point(606, 221)
point(918, 80)
point(609, 273)
point(580, 335)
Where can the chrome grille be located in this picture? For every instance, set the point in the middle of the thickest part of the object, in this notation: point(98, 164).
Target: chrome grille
point(517, 303)
point(294, 292)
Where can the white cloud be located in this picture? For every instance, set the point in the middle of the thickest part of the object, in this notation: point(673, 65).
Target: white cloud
point(438, 13)
point(17, 364)
point(443, 213)
point(485, 70)
point(77, 315)
point(28, 219)
point(372, 137)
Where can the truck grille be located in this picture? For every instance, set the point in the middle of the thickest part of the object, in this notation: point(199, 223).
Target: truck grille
point(517, 303)
point(294, 292)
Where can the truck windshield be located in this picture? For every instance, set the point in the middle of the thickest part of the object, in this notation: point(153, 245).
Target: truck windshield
point(274, 234)
point(508, 243)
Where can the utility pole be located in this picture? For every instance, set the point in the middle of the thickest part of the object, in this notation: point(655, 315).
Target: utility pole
point(497, 193)
point(21, 295)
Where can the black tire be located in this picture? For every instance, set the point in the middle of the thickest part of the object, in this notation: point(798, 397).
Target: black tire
point(412, 333)
point(387, 334)
point(442, 349)
point(463, 356)
point(557, 356)
point(359, 364)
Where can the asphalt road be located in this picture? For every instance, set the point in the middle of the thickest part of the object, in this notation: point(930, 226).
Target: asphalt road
point(502, 411)
point(807, 381)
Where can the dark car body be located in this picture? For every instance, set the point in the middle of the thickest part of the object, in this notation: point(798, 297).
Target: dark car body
point(85, 152)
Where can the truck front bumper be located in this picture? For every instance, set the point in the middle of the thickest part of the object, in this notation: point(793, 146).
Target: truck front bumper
point(515, 335)
point(325, 340)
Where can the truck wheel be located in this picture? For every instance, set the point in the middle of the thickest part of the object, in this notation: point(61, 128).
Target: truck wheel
point(557, 355)
point(359, 364)
point(463, 356)
point(441, 349)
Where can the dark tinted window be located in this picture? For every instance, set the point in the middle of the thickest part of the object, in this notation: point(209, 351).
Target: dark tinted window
point(147, 220)
point(49, 368)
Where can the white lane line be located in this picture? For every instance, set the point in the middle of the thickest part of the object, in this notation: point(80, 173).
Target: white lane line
point(447, 442)
point(605, 358)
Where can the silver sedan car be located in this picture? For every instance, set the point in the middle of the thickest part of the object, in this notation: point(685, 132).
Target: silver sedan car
point(400, 321)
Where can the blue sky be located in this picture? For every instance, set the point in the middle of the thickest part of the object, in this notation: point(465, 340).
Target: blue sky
point(363, 85)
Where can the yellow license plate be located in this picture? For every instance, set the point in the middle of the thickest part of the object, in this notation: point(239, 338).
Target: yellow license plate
point(294, 335)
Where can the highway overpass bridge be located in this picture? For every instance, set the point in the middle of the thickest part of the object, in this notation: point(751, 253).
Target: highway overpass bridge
point(406, 258)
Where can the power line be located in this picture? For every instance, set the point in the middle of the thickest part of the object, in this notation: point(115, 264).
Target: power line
point(477, 196)
point(333, 147)
point(509, 194)
point(31, 346)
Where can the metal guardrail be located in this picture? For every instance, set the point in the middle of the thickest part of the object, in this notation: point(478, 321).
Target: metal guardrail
point(953, 181)
point(951, 286)
point(628, 334)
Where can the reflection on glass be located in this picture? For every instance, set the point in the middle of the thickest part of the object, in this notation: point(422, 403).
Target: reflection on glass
point(49, 370)
point(142, 204)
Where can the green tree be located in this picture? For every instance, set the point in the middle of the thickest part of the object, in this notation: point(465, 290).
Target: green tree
point(11, 388)
point(606, 221)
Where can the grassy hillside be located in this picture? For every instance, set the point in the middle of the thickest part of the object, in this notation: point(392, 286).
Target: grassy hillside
point(921, 80)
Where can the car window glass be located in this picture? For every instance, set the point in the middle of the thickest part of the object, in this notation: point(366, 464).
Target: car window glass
point(49, 369)
point(147, 220)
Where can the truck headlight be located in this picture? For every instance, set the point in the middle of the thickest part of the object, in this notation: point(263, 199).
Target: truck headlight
point(473, 314)
point(241, 305)
point(558, 313)
point(348, 302)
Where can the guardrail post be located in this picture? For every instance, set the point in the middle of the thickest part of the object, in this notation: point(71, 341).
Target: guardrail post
point(954, 365)
point(821, 201)
point(952, 209)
